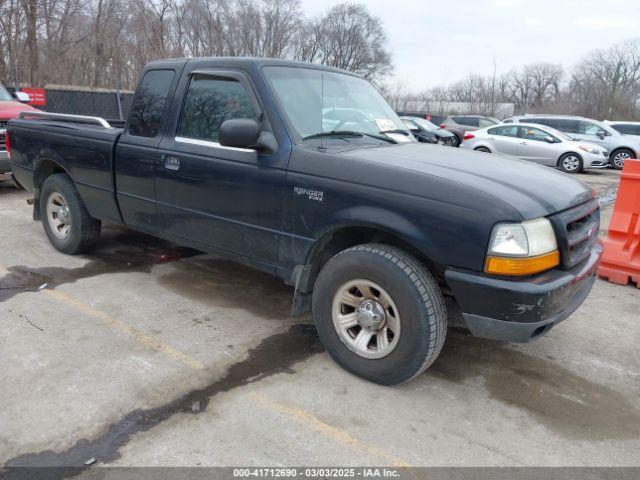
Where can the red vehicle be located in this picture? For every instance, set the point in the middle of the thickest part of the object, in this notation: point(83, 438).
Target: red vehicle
point(10, 107)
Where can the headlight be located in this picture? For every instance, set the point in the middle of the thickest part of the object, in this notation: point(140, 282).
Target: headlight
point(589, 149)
point(522, 248)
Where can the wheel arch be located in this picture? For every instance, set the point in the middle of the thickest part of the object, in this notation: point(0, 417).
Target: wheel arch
point(44, 168)
point(482, 145)
point(343, 235)
point(622, 147)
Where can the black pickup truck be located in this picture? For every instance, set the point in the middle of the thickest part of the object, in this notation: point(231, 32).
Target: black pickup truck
point(306, 172)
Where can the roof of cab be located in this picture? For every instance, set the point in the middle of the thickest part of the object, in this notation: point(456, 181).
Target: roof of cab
point(246, 61)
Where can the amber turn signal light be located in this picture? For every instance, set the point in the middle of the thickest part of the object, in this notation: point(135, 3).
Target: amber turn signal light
point(522, 265)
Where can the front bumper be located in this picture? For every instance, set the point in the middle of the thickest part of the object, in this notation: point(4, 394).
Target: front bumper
point(521, 310)
point(592, 160)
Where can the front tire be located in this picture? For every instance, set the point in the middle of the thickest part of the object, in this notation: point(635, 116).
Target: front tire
point(65, 218)
point(570, 163)
point(617, 157)
point(379, 313)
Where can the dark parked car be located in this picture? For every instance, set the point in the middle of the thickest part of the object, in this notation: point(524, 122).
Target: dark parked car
point(427, 132)
point(435, 119)
point(299, 170)
point(458, 124)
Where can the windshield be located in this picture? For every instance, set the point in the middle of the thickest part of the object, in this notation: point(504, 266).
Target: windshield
point(4, 95)
point(318, 102)
point(426, 124)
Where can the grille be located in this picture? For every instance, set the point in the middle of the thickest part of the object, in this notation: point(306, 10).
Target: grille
point(577, 231)
point(3, 126)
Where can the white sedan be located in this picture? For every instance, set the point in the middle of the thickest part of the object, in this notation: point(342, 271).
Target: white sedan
point(538, 143)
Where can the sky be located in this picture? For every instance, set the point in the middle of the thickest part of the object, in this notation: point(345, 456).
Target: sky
point(436, 42)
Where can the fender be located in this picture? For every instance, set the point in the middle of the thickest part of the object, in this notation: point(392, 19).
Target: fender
point(46, 163)
point(378, 218)
point(372, 221)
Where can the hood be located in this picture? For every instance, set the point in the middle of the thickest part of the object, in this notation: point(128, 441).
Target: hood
point(587, 143)
point(533, 190)
point(9, 110)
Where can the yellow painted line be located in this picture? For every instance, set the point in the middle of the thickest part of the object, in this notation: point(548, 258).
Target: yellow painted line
point(337, 434)
point(118, 325)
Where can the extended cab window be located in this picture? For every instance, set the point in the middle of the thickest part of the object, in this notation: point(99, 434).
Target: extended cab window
point(211, 100)
point(148, 104)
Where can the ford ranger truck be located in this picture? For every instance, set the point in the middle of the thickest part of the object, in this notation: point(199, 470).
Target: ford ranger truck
point(306, 172)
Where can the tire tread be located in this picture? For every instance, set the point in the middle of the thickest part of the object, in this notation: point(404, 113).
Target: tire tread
point(426, 286)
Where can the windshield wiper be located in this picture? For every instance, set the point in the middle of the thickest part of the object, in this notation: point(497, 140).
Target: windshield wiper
point(349, 133)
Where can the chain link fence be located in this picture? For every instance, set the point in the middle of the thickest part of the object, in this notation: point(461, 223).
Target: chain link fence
point(109, 104)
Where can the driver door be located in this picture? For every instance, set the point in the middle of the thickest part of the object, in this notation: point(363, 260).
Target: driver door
point(220, 197)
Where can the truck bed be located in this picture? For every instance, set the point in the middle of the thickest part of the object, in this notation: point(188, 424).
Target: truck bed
point(84, 150)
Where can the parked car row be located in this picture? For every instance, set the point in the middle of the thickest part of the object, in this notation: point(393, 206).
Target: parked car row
point(540, 144)
point(570, 143)
point(619, 146)
point(427, 132)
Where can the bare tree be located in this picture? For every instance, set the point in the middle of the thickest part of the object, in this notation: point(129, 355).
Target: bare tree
point(348, 37)
point(606, 83)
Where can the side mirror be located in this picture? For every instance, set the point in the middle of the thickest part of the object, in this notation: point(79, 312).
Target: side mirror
point(549, 139)
point(23, 97)
point(601, 134)
point(246, 133)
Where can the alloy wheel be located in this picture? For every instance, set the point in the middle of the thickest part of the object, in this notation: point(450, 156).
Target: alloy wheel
point(366, 319)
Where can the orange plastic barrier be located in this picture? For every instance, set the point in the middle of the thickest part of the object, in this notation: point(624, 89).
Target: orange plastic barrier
point(621, 257)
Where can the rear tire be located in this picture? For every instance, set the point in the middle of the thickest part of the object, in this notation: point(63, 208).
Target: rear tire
point(570, 163)
point(65, 218)
point(617, 157)
point(456, 141)
point(406, 304)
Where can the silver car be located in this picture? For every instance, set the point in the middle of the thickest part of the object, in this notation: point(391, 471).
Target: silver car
point(538, 143)
point(620, 147)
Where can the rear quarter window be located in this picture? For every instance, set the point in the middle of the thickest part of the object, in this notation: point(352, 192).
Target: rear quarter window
point(627, 129)
point(504, 131)
point(148, 105)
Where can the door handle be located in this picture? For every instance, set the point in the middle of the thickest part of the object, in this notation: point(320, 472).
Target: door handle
point(523, 143)
point(171, 163)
